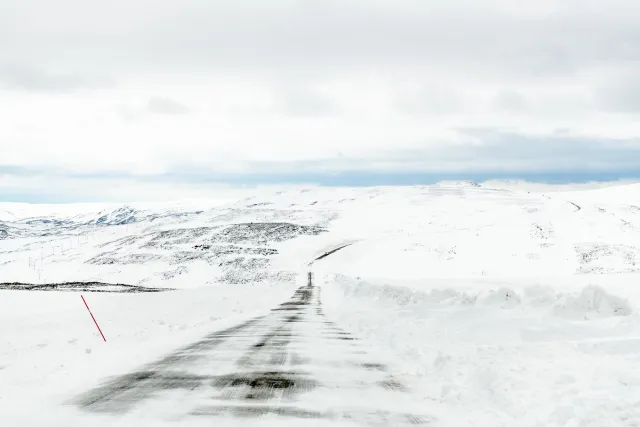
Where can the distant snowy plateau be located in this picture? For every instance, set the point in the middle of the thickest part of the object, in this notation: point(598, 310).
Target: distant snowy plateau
point(456, 304)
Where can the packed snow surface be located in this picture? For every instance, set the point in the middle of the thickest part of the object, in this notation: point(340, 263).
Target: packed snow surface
point(457, 304)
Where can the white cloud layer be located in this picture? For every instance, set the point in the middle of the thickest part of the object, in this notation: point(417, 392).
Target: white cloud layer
point(156, 87)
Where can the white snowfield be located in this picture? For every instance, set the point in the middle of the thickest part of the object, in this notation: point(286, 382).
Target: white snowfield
point(457, 304)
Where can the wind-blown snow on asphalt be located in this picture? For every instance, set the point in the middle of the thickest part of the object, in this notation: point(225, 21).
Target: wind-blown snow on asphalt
point(455, 304)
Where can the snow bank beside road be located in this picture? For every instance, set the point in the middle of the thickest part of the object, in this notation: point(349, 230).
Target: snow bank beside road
point(592, 301)
point(503, 356)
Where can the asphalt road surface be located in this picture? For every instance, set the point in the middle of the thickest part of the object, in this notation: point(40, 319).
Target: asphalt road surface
point(291, 367)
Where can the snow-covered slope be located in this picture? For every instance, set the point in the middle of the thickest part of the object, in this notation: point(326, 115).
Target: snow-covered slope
point(492, 304)
point(446, 230)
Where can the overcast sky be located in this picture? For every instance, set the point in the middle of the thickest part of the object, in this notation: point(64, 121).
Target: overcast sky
point(142, 99)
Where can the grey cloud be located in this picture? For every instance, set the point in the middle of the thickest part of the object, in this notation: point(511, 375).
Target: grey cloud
point(559, 157)
point(154, 105)
point(129, 113)
point(295, 98)
point(620, 93)
point(496, 152)
point(41, 80)
point(283, 36)
point(17, 170)
point(510, 101)
point(560, 151)
point(499, 153)
point(166, 106)
point(304, 102)
point(431, 100)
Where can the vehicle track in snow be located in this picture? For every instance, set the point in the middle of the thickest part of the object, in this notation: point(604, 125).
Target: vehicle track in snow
point(292, 366)
point(578, 208)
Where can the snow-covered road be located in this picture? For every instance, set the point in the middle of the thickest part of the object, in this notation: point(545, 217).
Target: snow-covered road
point(289, 365)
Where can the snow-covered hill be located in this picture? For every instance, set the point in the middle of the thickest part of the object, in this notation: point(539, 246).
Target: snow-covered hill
point(447, 230)
point(496, 304)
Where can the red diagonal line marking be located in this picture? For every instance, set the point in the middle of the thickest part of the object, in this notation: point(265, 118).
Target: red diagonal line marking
point(94, 319)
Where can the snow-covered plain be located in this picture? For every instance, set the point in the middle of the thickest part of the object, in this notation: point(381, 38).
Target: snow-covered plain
point(487, 305)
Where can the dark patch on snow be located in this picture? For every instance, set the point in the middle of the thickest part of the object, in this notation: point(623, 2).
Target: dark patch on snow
point(184, 256)
point(542, 233)
point(120, 216)
point(578, 207)
point(104, 259)
point(80, 287)
point(264, 385)
point(48, 222)
point(374, 367)
point(258, 411)
point(123, 241)
point(264, 232)
point(173, 273)
point(391, 384)
point(590, 254)
point(331, 252)
point(181, 233)
point(244, 277)
point(220, 250)
point(245, 263)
